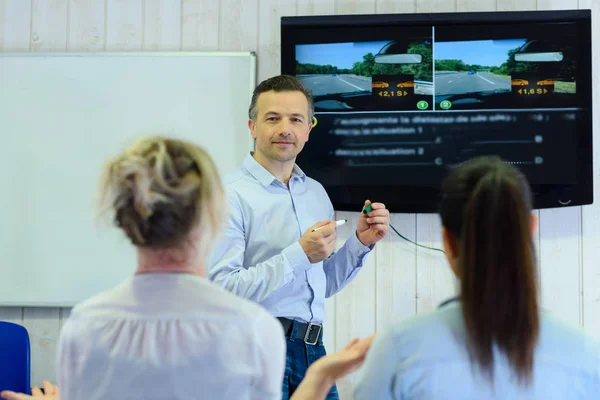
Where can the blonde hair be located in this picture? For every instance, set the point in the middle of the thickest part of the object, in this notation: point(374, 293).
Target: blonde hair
point(160, 190)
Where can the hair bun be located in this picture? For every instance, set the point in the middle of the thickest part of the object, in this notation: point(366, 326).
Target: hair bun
point(159, 189)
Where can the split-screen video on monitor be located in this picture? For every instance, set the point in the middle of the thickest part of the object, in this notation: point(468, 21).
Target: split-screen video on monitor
point(443, 70)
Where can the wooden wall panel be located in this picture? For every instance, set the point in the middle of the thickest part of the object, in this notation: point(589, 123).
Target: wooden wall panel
point(124, 25)
point(15, 25)
point(516, 5)
point(396, 7)
point(49, 25)
point(475, 5)
point(12, 314)
point(355, 7)
point(435, 280)
point(43, 325)
point(269, 35)
point(238, 26)
point(433, 6)
point(560, 262)
point(162, 25)
point(557, 4)
point(396, 273)
point(590, 277)
point(87, 28)
point(316, 7)
point(200, 20)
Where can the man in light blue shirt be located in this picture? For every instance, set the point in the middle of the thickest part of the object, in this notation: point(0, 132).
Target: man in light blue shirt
point(270, 252)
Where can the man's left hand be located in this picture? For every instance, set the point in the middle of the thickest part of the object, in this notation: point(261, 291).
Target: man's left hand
point(373, 226)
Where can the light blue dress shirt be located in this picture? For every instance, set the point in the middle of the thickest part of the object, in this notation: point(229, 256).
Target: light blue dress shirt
point(259, 257)
point(426, 357)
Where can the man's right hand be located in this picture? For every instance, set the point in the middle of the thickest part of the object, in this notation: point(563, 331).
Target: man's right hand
point(318, 245)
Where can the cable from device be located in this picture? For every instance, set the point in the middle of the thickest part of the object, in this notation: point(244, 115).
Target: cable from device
point(369, 208)
point(415, 243)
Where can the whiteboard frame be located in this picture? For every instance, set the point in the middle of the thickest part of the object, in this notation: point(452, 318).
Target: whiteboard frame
point(12, 54)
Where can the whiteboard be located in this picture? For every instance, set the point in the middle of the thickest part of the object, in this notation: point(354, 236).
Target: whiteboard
point(62, 115)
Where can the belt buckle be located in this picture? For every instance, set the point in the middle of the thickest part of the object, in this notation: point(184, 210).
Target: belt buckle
point(307, 334)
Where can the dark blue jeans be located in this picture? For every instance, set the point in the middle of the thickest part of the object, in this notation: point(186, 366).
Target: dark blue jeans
point(299, 356)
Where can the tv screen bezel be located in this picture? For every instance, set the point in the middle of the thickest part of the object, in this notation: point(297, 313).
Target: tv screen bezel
point(425, 200)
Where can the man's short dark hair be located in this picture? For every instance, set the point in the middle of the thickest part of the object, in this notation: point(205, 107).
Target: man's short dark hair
point(281, 83)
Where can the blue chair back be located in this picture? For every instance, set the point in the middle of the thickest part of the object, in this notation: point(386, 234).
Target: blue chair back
point(14, 358)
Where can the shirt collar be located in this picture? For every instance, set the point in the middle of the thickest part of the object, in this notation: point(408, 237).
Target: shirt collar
point(265, 177)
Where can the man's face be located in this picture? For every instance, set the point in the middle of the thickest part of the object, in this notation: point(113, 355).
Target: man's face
point(282, 125)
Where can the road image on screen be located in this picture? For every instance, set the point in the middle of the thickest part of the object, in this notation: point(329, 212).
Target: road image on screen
point(363, 76)
point(507, 73)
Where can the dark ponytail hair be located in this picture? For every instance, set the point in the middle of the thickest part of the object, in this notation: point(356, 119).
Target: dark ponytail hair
point(486, 206)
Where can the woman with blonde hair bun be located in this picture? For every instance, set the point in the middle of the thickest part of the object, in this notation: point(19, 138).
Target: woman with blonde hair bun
point(167, 332)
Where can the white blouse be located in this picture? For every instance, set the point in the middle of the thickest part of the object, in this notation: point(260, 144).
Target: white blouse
point(170, 336)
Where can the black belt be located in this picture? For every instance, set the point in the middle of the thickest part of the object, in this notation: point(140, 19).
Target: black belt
point(309, 333)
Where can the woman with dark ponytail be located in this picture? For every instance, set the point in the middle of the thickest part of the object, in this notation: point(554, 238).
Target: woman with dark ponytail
point(492, 341)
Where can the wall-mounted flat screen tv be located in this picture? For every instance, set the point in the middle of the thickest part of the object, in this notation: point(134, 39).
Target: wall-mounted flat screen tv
point(401, 99)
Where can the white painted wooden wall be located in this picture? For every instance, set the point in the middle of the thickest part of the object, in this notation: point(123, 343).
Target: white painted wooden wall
point(398, 280)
